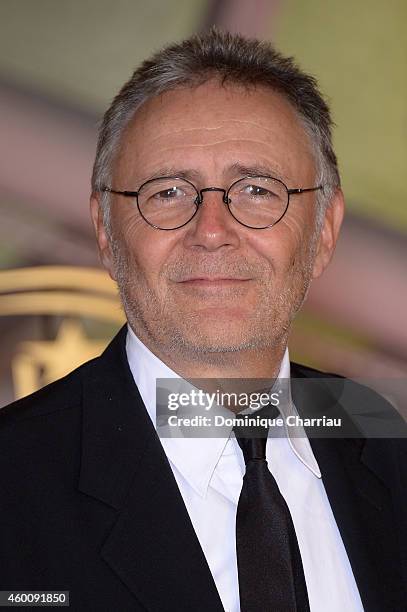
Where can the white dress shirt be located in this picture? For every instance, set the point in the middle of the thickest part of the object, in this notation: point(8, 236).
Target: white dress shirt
point(209, 473)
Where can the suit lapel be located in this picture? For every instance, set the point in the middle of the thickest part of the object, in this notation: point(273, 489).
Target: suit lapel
point(360, 501)
point(152, 546)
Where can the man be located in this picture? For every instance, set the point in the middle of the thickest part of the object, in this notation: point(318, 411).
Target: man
point(216, 200)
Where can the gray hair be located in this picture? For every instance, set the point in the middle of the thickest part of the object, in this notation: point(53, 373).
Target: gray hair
point(232, 59)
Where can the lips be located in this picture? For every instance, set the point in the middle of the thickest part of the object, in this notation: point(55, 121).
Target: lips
point(212, 279)
point(219, 283)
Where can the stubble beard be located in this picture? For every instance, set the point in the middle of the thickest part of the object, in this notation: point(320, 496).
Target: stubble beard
point(166, 331)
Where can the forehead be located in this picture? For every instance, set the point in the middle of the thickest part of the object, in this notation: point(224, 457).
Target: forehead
point(215, 126)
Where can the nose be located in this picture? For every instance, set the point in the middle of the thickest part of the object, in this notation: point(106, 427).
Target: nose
point(213, 227)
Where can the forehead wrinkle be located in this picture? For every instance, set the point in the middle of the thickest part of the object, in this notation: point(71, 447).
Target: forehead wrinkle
point(255, 166)
point(221, 123)
point(232, 171)
point(184, 131)
point(201, 145)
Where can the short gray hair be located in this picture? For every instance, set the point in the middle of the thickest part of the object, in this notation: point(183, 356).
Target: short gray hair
point(232, 59)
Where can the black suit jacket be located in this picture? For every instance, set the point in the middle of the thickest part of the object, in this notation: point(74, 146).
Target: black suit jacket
point(89, 504)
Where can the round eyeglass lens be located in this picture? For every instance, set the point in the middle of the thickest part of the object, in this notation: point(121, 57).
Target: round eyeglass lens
point(167, 203)
point(258, 202)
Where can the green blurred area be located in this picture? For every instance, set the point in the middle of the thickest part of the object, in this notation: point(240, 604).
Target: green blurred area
point(358, 52)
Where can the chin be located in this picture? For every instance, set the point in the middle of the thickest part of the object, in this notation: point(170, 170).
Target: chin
point(217, 339)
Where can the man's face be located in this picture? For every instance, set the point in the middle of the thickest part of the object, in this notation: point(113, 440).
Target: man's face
point(214, 286)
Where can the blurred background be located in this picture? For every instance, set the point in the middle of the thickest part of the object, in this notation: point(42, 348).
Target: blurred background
point(61, 62)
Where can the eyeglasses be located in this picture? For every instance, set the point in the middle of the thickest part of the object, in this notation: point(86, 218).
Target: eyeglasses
point(170, 202)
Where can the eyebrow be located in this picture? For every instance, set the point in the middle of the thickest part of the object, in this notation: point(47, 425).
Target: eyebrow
point(185, 173)
point(257, 170)
point(235, 170)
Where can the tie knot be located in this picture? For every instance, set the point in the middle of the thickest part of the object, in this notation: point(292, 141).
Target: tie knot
point(254, 449)
point(252, 439)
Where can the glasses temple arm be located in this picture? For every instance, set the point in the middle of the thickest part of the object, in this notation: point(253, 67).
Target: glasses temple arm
point(298, 190)
point(132, 194)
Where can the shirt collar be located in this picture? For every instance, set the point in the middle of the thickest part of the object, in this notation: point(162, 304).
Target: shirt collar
point(202, 454)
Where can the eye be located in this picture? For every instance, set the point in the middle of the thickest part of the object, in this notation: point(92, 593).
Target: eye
point(257, 191)
point(169, 194)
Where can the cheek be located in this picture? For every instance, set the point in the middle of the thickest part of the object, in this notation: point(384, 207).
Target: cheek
point(287, 248)
point(297, 233)
point(147, 249)
point(280, 247)
point(296, 225)
point(126, 221)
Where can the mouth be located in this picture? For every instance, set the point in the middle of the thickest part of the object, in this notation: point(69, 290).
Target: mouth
point(218, 281)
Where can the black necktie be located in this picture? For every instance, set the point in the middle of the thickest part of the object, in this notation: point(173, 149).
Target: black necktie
point(271, 576)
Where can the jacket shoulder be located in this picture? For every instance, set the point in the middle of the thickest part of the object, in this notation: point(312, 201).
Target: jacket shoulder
point(374, 416)
point(300, 370)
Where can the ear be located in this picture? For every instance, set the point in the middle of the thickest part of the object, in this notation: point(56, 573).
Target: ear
point(105, 251)
point(329, 233)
